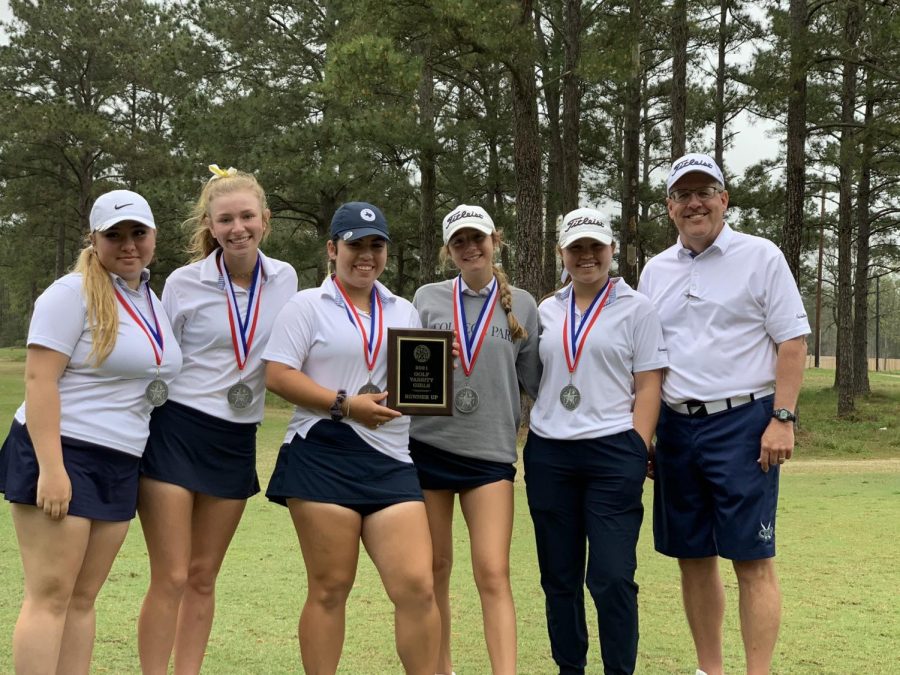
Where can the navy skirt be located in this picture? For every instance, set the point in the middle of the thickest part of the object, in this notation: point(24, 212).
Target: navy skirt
point(442, 470)
point(334, 465)
point(104, 481)
point(201, 453)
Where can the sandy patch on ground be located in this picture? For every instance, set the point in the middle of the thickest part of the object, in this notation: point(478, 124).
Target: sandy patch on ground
point(843, 466)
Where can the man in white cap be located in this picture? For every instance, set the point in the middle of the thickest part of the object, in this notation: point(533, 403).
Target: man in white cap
point(735, 328)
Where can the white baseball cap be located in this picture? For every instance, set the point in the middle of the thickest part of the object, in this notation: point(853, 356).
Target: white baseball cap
point(582, 223)
point(118, 206)
point(694, 162)
point(467, 216)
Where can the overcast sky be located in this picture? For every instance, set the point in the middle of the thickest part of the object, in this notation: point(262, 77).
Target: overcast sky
point(751, 144)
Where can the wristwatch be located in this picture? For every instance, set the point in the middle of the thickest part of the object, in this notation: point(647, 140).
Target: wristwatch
point(337, 408)
point(784, 415)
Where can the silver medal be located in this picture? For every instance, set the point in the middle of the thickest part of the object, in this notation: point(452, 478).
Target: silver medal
point(369, 388)
point(466, 400)
point(157, 392)
point(240, 396)
point(570, 397)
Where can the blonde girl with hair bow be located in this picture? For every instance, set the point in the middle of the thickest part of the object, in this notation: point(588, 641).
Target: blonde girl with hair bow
point(200, 465)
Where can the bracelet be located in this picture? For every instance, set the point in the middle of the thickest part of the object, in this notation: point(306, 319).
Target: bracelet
point(336, 409)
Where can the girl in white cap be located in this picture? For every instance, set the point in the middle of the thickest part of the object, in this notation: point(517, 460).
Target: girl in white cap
point(344, 470)
point(100, 356)
point(473, 453)
point(200, 464)
point(586, 456)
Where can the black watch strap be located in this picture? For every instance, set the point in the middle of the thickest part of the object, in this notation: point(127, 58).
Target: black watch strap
point(337, 408)
point(784, 415)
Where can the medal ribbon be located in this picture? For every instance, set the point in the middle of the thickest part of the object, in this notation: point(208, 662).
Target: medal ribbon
point(470, 345)
point(371, 347)
point(574, 339)
point(243, 329)
point(154, 333)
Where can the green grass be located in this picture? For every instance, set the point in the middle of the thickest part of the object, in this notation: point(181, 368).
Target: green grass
point(872, 431)
point(839, 522)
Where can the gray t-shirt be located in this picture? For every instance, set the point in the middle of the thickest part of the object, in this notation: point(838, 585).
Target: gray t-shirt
point(503, 366)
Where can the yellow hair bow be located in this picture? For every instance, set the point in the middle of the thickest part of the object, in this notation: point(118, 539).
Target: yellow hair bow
point(221, 173)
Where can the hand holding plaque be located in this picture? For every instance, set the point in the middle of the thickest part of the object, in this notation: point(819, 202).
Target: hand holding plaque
point(420, 371)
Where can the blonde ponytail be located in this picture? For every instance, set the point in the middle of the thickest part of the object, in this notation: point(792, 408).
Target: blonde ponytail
point(102, 311)
point(517, 330)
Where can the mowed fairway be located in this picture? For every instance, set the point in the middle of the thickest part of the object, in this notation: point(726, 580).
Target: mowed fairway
point(838, 534)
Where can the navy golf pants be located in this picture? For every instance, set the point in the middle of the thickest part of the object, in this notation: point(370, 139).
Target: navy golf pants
point(585, 502)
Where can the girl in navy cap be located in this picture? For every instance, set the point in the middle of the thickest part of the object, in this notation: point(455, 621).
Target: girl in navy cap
point(100, 356)
point(603, 357)
point(200, 464)
point(473, 453)
point(344, 470)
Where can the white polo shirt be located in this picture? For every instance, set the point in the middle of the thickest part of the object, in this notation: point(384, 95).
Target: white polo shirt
point(194, 298)
point(106, 405)
point(314, 335)
point(723, 312)
point(625, 339)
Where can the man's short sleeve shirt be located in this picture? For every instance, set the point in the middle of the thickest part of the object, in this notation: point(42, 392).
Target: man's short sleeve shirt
point(723, 312)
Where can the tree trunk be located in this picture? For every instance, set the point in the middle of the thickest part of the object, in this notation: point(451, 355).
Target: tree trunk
point(792, 232)
point(631, 153)
point(571, 112)
point(846, 164)
point(648, 150)
point(861, 287)
point(527, 158)
point(678, 96)
point(555, 182)
point(721, 75)
point(427, 222)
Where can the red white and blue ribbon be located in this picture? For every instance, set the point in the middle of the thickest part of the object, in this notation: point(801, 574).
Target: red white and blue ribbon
point(152, 331)
point(575, 337)
point(470, 344)
point(371, 339)
point(243, 328)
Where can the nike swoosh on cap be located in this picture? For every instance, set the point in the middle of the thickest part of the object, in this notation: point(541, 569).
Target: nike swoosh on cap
point(121, 206)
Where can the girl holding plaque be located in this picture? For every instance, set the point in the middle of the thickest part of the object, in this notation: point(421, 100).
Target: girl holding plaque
point(585, 459)
point(473, 453)
point(344, 470)
point(200, 464)
point(100, 356)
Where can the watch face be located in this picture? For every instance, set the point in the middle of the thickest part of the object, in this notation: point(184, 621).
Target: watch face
point(783, 415)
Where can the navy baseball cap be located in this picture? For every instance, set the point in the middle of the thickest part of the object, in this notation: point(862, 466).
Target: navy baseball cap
point(354, 220)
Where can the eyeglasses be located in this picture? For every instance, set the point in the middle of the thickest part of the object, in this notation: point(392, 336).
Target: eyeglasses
point(703, 194)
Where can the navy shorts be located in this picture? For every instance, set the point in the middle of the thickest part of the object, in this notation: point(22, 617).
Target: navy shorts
point(104, 481)
point(201, 453)
point(442, 470)
point(710, 495)
point(335, 466)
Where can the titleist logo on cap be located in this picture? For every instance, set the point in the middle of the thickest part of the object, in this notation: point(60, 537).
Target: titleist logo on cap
point(581, 220)
point(452, 218)
point(692, 162)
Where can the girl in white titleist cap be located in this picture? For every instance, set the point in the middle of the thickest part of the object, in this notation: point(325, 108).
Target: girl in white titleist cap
point(586, 456)
point(100, 356)
point(473, 453)
point(200, 464)
point(344, 470)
